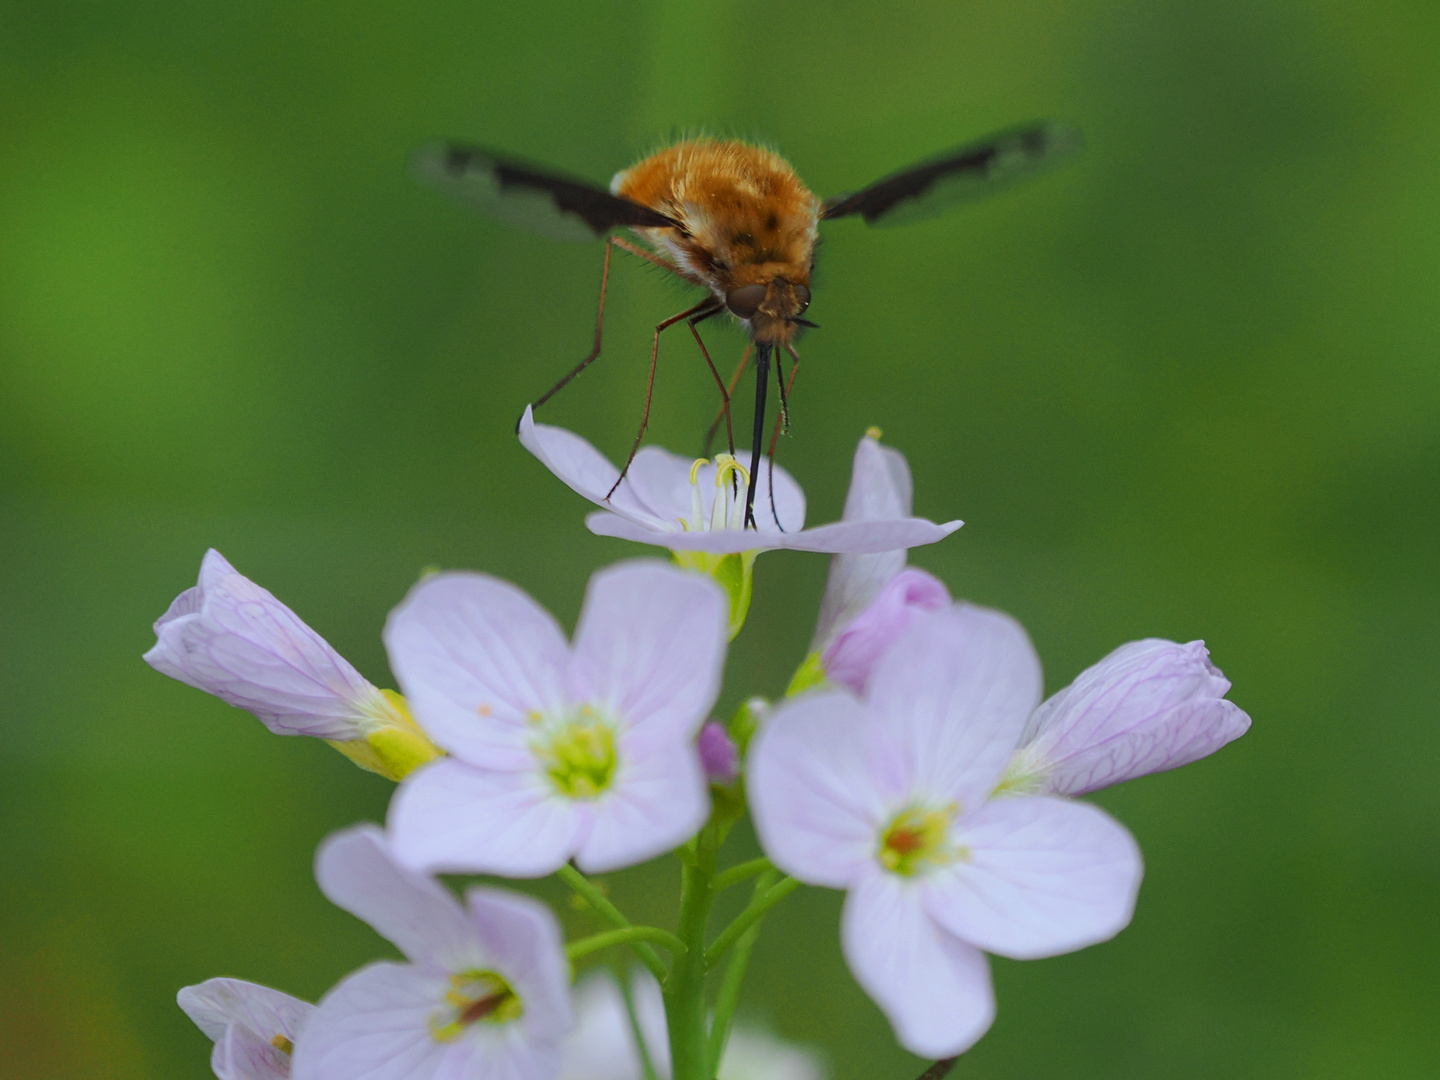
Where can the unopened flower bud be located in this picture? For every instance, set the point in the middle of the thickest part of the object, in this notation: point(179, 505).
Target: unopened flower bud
point(718, 754)
point(852, 653)
point(1149, 706)
point(231, 638)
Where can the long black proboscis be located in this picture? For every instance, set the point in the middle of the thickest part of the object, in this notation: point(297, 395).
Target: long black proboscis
point(762, 384)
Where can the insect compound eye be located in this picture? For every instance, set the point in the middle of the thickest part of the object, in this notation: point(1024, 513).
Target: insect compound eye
point(746, 300)
point(802, 297)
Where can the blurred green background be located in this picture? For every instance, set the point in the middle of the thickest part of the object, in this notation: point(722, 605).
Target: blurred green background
point(1187, 387)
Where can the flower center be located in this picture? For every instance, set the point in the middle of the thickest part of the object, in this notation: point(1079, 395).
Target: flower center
point(284, 1045)
point(579, 755)
point(727, 511)
point(917, 839)
point(475, 997)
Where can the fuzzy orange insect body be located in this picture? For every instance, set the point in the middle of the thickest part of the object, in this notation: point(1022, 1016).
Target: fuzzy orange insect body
point(747, 232)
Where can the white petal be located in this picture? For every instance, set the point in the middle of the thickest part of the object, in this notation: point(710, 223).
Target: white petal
point(934, 988)
point(421, 917)
point(1044, 876)
point(857, 536)
point(957, 688)
point(451, 817)
point(523, 943)
point(584, 469)
point(650, 646)
point(822, 778)
point(602, 1046)
point(217, 1003)
point(475, 656)
point(755, 1054)
point(375, 1026)
point(659, 800)
point(240, 1054)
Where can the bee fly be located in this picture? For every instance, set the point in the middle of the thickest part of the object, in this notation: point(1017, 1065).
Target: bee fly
point(735, 220)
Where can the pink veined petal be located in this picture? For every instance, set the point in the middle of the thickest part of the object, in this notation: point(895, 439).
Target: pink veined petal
point(475, 656)
point(857, 536)
point(241, 1054)
point(934, 988)
point(522, 941)
point(956, 689)
point(217, 1003)
point(1149, 706)
point(422, 918)
point(1043, 876)
point(650, 645)
point(502, 1053)
point(823, 777)
point(660, 481)
point(450, 817)
point(231, 638)
point(375, 1025)
point(867, 537)
point(857, 645)
point(581, 467)
point(659, 800)
point(880, 490)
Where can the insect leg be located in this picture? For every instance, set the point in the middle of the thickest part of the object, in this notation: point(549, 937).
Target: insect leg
point(595, 351)
point(724, 394)
point(762, 384)
point(785, 387)
point(623, 245)
point(704, 307)
point(730, 392)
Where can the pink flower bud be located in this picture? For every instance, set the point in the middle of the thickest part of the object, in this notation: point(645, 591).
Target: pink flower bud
point(851, 655)
point(718, 753)
point(1149, 706)
point(231, 638)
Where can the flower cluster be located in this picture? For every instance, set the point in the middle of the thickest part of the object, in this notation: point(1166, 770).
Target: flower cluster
point(911, 763)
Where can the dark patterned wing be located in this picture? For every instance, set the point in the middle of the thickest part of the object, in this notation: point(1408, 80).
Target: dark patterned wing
point(967, 172)
point(540, 200)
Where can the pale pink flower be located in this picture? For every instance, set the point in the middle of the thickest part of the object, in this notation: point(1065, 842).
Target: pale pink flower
point(556, 750)
point(688, 505)
point(253, 1027)
point(889, 798)
point(1149, 706)
point(485, 995)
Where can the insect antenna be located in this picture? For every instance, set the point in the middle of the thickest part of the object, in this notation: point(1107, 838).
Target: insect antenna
point(762, 385)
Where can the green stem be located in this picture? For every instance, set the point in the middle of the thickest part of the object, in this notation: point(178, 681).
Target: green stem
point(586, 890)
point(758, 907)
point(743, 872)
point(685, 988)
point(626, 935)
point(729, 995)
